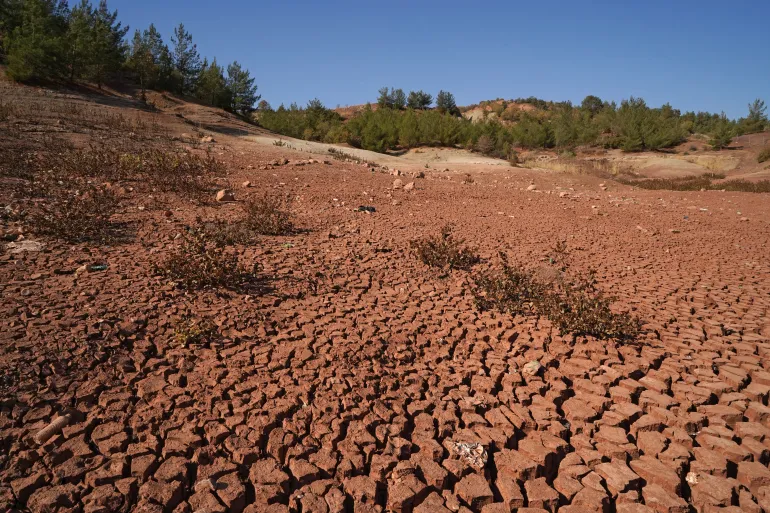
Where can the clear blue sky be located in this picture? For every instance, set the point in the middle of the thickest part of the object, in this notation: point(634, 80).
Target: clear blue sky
point(697, 55)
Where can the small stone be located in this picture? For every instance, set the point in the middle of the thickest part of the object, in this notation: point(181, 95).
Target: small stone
point(532, 368)
point(246, 184)
point(225, 195)
point(532, 187)
point(398, 183)
point(409, 186)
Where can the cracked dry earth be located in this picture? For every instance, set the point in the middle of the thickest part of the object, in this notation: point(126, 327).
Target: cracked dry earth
point(365, 382)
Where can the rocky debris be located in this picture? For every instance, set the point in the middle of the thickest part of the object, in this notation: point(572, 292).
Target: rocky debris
point(225, 195)
point(24, 246)
point(472, 453)
point(409, 186)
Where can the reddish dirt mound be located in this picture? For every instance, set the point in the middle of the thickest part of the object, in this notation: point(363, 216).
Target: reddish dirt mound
point(363, 381)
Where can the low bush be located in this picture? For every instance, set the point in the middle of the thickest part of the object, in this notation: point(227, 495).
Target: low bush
point(268, 215)
point(580, 308)
point(577, 307)
point(764, 155)
point(510, 289)
point(697, 183)
point(203, 262)
point(76, 212)
point(194, 332)
point(444, 251)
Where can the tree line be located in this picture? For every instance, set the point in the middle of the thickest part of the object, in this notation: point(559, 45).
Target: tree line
point(406, 121)
point(48, 40)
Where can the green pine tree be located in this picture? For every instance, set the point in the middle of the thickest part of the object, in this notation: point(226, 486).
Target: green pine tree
point(108, 48)
point(243, 92)
point(142, 62)
point(36, 47)
point(186, 59)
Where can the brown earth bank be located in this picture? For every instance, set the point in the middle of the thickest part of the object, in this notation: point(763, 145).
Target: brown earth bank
point(356, 379)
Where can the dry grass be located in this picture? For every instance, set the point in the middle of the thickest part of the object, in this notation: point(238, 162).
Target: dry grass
point(697, 183)
point(444, 251)
point(764, 155)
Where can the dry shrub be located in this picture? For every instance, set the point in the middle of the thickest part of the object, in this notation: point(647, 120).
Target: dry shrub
point(202, 262)
point(164, 169)
point(573, 306)
point(697, 183)
point(444, 251)
point(268, 215)
point(764, 155)
point(6, 110)
point(468, 179)
point(76, 212)
point(509, 289)
point(580, 308)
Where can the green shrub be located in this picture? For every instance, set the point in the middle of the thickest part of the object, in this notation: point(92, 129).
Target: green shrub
point(764, 155)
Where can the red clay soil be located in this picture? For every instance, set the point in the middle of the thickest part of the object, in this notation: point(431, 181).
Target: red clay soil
point(362, 381)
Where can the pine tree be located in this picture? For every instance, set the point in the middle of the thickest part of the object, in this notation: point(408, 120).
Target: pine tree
point(419, 100)
point(109, 49)
point(166, 77)
point(186, 59)
point(723, 133)
point(383, 100)
point(36, 47)
point(10, 18)
point(80, 36)
point(398, 98)
point(243, 92)
point(210, 87)
point(445, 103)
point(142, 61)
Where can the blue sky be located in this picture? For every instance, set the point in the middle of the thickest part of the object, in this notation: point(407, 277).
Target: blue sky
point(697, 55)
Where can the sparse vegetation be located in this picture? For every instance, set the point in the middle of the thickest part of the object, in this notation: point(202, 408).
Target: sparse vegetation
point(202, 261)
point(764, 155)
point(75, 212)
point(697, 183)
point(269, 215)
point(444, 251)
point(193, 332)
point(510, 289)
point(577, 306)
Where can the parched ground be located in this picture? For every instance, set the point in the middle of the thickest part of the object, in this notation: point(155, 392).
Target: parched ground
point(361, 381)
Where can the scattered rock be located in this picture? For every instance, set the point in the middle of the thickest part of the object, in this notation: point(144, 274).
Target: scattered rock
point(398, 183)
point(532, 368)
point(25, 245)
point(473, 453)
point(409, 186)
point(225, 195)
